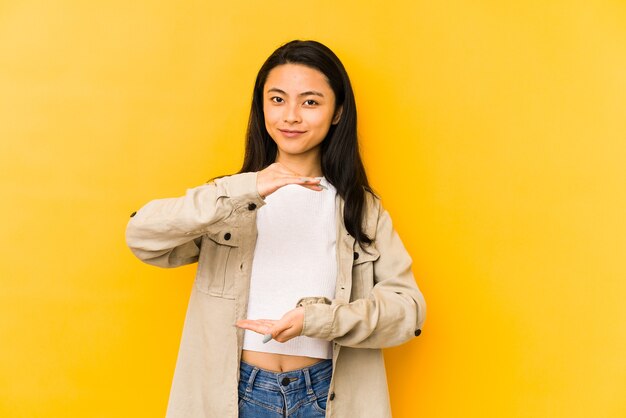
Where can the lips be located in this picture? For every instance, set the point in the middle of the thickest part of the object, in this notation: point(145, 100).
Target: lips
point(290, 133)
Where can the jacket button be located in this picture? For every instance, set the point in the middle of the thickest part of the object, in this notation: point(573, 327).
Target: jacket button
point(285, 381)
point(332, 396)
point(356, 256)
point(418, 332)
point(227, 236)
point(133, 214)
point(251, 206)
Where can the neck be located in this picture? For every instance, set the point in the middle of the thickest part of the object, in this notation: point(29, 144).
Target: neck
point(309, 165)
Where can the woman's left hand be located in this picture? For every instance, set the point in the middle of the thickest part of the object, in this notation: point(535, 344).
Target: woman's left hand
point(282, 330)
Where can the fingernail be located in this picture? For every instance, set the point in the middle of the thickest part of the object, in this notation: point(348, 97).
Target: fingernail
point(323, 187)
point(305, 180)
point(266, 338)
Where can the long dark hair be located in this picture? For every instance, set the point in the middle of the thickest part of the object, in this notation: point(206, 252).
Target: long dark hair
point(341, 160)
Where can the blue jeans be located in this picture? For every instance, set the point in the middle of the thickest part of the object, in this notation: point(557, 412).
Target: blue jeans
point(298, 393)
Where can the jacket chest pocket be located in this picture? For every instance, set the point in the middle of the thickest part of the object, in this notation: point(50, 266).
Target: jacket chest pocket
point(217, 264)
point(363, 272)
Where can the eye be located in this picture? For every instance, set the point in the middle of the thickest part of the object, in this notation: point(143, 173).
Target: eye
point(276, 99)
point(310, 102)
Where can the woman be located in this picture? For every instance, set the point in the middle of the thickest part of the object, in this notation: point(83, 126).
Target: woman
point(301, 278)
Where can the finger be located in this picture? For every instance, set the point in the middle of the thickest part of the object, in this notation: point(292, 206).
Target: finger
point(267, 322)
point(307, 182)
point(253, 326)
point(245, 322)
point(300, 179)
point(316, 187)
point(284, 335)
point(280, 326)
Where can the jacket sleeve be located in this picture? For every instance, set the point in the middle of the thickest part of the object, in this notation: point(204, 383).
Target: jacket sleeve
point(167, 232)
point(393, 313)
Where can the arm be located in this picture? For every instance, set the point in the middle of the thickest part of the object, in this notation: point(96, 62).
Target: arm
point(167, 232)
point(392, 314)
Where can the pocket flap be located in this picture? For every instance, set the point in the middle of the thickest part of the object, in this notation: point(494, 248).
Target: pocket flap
point(225, 237)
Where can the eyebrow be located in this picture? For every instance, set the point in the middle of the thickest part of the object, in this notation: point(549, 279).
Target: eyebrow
point(306, 93)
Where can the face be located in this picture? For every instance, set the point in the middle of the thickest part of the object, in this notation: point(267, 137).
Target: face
point(299, 108)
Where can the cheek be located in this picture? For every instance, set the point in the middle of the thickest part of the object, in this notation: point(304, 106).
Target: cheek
point(323, 120)
point(269, 116)
point(270, 121)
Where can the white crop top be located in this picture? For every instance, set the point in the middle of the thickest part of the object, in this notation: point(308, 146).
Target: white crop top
point(294, 257)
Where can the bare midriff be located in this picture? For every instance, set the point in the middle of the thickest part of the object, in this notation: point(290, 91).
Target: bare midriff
point(277, 362)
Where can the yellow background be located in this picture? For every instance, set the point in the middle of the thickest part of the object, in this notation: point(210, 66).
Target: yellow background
point(495, 132)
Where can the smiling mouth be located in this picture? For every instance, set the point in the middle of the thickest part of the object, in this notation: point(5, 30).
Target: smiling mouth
point(291, 133)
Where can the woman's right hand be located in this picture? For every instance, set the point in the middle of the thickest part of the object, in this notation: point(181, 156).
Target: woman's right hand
point(276, 175)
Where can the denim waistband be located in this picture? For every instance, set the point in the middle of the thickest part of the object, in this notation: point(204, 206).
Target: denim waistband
point(290, 381)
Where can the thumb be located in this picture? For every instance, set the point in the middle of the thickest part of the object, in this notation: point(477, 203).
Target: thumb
point(279, 332)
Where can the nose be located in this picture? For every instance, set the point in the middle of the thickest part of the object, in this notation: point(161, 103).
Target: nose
point(292, 114)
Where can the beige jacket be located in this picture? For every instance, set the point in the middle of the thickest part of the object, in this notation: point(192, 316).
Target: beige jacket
point(377, 303)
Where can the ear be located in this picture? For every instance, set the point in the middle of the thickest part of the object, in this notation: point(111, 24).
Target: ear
point(337, 116)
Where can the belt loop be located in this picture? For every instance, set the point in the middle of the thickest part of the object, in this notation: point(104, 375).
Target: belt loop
point(307, 379)
point(251, 379)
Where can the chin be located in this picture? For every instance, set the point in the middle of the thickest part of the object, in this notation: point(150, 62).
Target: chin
point(287, 151)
